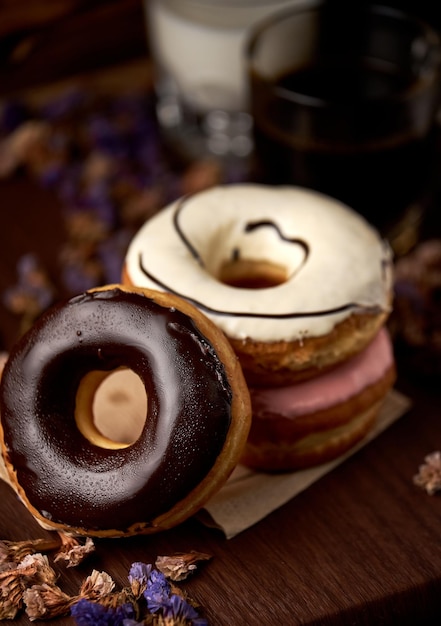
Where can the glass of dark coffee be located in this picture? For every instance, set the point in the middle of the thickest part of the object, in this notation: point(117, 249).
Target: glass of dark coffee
point(344, 98)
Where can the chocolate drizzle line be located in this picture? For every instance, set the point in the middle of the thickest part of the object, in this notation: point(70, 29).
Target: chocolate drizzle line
point(194, 253)
point(268, 223)
point(248, 228)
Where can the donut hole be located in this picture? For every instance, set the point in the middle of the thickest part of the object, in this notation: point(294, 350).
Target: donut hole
point(251, 274)
point(111, 408)
point(255, 256)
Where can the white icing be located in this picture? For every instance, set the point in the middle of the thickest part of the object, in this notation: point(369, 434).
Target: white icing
point(345, 263)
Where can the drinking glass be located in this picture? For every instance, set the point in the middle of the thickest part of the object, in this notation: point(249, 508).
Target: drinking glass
point(200, 76)
point(344, 99)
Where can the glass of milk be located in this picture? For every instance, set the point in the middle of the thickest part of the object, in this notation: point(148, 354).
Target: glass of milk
point(200, 79)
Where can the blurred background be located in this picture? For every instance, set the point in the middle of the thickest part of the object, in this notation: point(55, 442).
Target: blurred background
point(96, 168)
point(46, 40)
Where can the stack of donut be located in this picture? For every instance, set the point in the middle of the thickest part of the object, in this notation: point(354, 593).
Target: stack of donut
point(301, 286)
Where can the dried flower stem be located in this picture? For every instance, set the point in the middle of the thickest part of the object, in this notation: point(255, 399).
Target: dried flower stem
point(15, 551)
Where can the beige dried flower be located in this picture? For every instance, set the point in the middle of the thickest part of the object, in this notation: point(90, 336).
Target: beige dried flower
point(97, 585)
point(11, 592)
point(46, 601)
point(35, 569)
point(429, 473)
point(72, 551)
point(180, 565)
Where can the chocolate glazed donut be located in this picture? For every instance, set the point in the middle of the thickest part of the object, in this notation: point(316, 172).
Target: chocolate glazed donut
point(69, 479)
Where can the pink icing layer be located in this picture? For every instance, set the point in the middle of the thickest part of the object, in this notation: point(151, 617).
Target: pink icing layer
point(329, 389)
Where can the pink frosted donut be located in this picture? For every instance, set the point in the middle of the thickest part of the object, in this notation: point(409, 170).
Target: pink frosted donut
point(314, 421)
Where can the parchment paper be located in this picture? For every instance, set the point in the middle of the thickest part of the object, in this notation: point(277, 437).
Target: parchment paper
point(249, 496)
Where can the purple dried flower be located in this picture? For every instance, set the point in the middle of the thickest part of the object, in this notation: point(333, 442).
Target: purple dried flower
point(178, 609)
point(171, 606)
point(157, 592)
point(140, 572)
point(86, 613)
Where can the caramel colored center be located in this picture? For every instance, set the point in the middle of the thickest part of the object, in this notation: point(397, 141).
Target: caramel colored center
point(250, 274)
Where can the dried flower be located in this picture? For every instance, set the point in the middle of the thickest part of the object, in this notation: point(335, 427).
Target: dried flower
point(157, 592)
point(429, 473)
point(180, 565)
point(181, 612)
point(173, 608)
point(72, 551)
point(138, 578)
point(97, 585)
point(10, 593)
point(118, 598)
point(15, 551)
point(32, 584)
point(35, 569)
point(88, 613)
point(46, 601)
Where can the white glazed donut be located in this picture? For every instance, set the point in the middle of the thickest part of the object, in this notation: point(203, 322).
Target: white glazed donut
point(326, 274)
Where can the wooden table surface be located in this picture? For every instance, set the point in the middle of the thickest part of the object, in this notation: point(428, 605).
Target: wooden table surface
point(360, 546)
